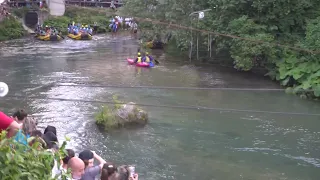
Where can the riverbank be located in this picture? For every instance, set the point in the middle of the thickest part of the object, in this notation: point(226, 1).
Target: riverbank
point(81, 15)
point(11, 27)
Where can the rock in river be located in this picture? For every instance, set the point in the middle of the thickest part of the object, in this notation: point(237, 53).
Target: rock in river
point(123, 116)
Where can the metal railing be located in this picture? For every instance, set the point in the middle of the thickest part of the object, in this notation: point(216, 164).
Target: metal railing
point(86, 3)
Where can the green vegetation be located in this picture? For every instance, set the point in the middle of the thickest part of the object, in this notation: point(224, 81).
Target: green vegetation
point(23, 163)
point(81, 15)
point(105, 118)
point(108, 117)
point(20, 12)
point(292, 23)
point(10, 28)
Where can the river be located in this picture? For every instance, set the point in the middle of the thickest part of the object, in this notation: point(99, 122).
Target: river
point(177, 143)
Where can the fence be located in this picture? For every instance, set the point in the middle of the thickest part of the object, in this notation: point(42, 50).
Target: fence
point(86, 3)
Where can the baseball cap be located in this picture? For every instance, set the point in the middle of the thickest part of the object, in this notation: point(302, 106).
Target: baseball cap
point(86, 155)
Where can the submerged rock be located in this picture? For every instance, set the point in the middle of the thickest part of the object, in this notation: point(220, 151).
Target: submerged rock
point(123, 116)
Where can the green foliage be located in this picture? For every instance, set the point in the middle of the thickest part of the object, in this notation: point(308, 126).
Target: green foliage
point(108, 119)
point(10, 28)
point(61, 23)
point(26, 162)
point(117, 102)
point(293, 23)
point(247, 54)
point(80, 15)
point(20, 12)
point(105, 118)
point(303, 68)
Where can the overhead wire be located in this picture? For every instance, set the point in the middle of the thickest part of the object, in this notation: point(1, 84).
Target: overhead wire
point(155, 87)
point(166, 106)
point(178, 26)
point(187, 88)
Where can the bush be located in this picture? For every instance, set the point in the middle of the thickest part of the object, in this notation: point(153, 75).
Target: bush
point(80, 15)
point(105, 117)
point(61, 23)
point(24, 163)
point(20, 12)
point(11, 28)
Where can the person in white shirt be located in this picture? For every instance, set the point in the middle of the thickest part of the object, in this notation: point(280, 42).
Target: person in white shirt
point(134, 27)
point(127, 23)
point(112, 5)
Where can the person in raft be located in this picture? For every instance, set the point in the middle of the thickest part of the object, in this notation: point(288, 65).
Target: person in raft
point(147, 58)
point(138, 59)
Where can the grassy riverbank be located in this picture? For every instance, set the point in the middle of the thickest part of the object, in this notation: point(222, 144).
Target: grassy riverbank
point(11, 28)
point(81, 15)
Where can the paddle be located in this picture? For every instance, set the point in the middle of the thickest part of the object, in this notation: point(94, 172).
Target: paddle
point(156, 61)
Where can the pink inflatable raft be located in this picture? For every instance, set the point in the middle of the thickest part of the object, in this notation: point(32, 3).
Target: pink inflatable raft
point(141, 64)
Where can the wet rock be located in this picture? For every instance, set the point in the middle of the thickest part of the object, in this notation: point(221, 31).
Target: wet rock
point(122, 116)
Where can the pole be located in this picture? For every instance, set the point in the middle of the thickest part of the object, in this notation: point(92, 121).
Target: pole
point(210, 46)
point(208, 42)
point(191, 41)
point(198, 41)
point(191, 14)
point(197, 47)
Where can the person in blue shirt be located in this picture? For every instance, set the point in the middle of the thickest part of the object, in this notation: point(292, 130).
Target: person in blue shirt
point(114, 27)
point(75, 31)
point(90, 30)
point(19, 116)
point(147, 58)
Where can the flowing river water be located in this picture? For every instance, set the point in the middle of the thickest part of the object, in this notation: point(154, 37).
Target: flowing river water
point(177, 143)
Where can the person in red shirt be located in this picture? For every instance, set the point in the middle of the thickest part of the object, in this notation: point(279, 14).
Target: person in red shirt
point(9, 124)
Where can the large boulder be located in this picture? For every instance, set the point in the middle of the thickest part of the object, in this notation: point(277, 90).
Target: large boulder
point(131, 114)
point(127, 115)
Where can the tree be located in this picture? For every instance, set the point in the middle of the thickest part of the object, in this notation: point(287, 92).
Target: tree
point(287, 22)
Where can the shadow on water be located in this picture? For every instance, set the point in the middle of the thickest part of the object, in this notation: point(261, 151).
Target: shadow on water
point(176, 144)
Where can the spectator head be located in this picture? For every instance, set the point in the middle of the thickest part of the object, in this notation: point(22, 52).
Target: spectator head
point(123, 172)
point(36, 133)
point(51, 140)
point(29, 125)
point(69, 155)
point(37, 138)
point(108, 170)
point(20, 115)
point(50, 129)
point(87, 157)
point(77, 167)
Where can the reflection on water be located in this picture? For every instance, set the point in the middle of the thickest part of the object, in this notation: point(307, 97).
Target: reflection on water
point(177, 143)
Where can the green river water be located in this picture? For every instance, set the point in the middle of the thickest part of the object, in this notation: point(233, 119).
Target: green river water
point(177, 143)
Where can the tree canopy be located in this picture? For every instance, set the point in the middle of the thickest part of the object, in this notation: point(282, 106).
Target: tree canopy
point(293, 23)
